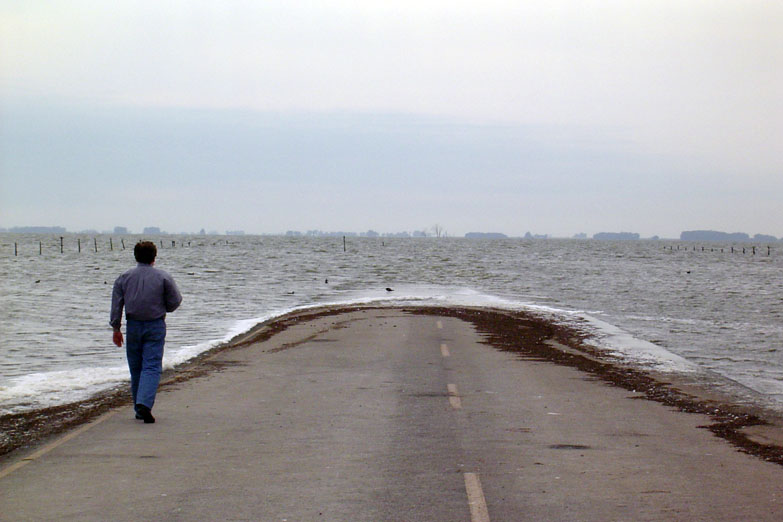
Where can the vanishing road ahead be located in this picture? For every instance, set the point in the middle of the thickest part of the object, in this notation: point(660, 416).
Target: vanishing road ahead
point(380, 414)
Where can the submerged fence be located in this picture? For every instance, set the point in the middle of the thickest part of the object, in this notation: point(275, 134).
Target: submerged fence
point(78, 244)
point(752, 249)
point(63, 244)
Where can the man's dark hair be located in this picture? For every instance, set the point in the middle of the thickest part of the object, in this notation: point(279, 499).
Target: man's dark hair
point(145, 252)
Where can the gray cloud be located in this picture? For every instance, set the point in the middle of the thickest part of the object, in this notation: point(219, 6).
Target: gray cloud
point(574, 115)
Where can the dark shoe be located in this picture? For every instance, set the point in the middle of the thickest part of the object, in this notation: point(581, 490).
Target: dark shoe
point(144, 413)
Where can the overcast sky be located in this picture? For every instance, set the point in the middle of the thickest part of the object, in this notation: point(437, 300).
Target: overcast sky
point(553, 117)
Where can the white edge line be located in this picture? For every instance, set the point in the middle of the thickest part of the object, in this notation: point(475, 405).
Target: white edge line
point(52, 445)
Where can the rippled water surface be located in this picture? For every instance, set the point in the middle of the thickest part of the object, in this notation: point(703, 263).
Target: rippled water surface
point(720, 310)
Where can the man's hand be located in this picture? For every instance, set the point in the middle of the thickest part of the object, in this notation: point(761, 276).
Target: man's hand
point(117, 338)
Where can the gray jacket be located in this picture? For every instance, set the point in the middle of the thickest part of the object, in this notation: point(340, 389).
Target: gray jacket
point(146, 293)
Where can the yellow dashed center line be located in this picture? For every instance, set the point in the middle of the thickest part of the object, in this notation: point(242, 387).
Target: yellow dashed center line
point(454, 399)
point(476, 500)
point(444, 350)
point(440, 325)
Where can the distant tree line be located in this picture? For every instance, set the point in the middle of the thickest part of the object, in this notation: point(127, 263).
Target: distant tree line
point(714, 235)
point(35, 230)
point(435, 231)
point(616, 236)
point(485, 235)
point(369, 233)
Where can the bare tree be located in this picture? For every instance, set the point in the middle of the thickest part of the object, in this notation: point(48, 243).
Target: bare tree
point(438, 230)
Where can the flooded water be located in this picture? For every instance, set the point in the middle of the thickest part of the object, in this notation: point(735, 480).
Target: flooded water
point(671, 305)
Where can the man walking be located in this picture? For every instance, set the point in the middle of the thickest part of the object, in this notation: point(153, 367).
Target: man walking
point(147, 294)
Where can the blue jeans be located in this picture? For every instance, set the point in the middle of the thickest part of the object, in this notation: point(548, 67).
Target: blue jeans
point(144, 346)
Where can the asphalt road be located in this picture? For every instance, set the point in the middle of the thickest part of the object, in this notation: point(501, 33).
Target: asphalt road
point(383, 415)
